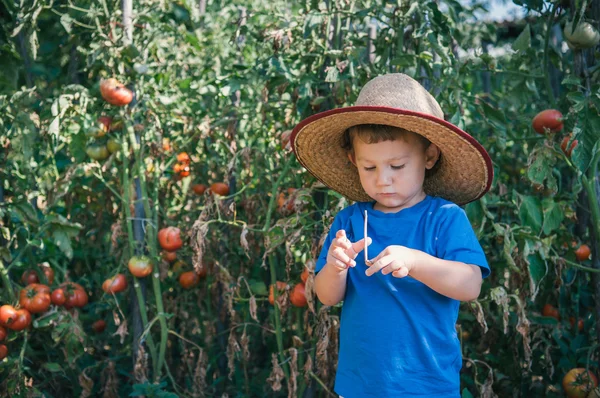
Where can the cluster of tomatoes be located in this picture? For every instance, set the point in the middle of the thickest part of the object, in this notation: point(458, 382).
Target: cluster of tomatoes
point(101, 145)
point(297, 293)
point(169, 239)
point(36, 298)
point(550, 121)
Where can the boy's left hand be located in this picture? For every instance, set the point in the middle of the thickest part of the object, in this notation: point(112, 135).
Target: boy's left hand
point(397, 260)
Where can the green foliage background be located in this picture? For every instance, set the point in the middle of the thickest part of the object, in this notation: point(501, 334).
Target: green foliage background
point(224, 86)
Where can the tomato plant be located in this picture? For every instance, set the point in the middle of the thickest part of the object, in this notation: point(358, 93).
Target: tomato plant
point(188, 279)
point(3, 351)
point(281, 286)
point(140, 266)
point(58, 297)
point(169, 256)
point(297, 296)
point(99, 326)
point(170, 239)
point(578, 382)
point(35, 298)
point(115, 93)
point(31, 276)
point(21, 321)
point(97, 152)
point(75, 295)
point(551, 311)
point(548, 121)
point(3, 333)
point(199, 189)
point(304, 275)
point(565, 143)
point(219, 188)
point(583, 252)
point(584, 35)
point(116, 284)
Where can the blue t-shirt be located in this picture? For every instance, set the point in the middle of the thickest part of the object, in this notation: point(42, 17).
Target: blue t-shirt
point(397, 335)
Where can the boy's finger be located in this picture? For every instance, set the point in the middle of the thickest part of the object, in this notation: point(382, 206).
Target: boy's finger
point(378, 265)
point(400, 273)
point(360, 245)
point(340, 234)
point(341, 255)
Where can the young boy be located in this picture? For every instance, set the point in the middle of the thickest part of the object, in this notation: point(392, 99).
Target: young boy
point(407, 168)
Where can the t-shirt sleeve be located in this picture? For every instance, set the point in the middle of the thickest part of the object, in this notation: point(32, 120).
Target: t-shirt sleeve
point(457, 241)
point(335, 226)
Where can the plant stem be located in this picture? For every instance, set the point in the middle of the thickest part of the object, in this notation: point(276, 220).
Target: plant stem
point(136, 285)
point(286, 168)
point(9, 293)
point(546, 58)
point(151, 242)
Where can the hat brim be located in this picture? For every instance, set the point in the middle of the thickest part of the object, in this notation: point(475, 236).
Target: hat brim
point(463, 174)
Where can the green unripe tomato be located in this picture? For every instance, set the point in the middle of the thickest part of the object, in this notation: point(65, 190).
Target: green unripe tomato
point(584, 35)
point(97, 152)
point(113, 145)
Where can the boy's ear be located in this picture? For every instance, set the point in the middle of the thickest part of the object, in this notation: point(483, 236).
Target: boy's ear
point(432, 154)
point(351, 157)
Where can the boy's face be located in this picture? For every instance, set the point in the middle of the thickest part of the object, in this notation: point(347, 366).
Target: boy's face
point(392, 172)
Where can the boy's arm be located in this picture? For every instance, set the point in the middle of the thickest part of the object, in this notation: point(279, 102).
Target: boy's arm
point(453, 279)
point(330, 284)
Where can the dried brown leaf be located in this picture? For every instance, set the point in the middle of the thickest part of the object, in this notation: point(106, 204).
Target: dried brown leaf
point(253, 307)
point(276, 375)
point(292, 381)
point(122, 331)
point(232, 348)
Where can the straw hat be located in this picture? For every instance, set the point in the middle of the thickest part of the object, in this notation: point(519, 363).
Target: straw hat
point(464, 171)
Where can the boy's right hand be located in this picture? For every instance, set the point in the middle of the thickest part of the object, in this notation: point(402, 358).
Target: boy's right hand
point(342, 252)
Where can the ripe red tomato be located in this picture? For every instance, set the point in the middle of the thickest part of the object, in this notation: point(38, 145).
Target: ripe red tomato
point(579, 323)
point(578, 382)
point(583, 252)
point(3, 333)
point(115, 93)
point(115, 285)
point(99, 326)
point(565, 143)
point(220, 188)
point(170, 238)
point(30, 276)
point(3, 351)
point(188, 279)
point(550, 120)
point(169, 256)
point(35, 298)
point(75, 294)
point(304, 275)
point(58, 297)
point(199, 189)
point(551, 311)
point(281, 286)
point(297, 296)
point(184, 158)
point(8, 314)
point(140, 266)
point(22, 320)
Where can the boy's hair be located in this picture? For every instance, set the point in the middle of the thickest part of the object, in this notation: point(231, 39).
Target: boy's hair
point(374, 133)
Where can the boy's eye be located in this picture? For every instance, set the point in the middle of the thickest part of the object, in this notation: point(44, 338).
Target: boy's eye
point(370, 168)
point(398, 167)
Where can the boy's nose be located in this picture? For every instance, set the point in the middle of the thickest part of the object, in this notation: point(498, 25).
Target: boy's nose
point(383, 178)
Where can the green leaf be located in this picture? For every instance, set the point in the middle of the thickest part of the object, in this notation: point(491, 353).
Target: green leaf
point(523, 42)
point(52, 367)
point(553, 216)
point(540, 163)
point(466, 394)
point(530, 212)
point(62, 240)
point(538, 269)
